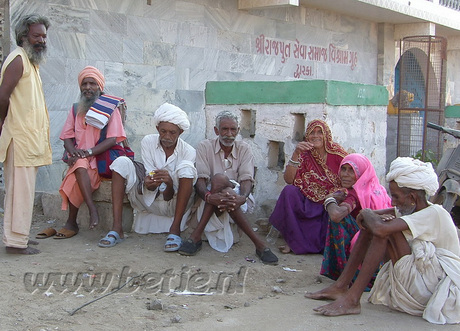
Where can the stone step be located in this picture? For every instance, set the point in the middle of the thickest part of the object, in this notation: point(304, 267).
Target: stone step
point(51, 204)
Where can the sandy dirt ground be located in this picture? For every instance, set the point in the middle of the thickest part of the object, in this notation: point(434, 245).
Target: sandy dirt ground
point(226, 291)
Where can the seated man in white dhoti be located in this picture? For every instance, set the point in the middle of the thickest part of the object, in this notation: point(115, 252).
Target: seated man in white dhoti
point(422, 276)
point(225, 177)
point(161, 190)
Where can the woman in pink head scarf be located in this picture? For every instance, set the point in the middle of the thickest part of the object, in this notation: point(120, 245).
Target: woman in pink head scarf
point(363, 190)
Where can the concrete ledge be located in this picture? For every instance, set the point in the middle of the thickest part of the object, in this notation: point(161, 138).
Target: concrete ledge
point(452, 111)
point(51, 203)
point(328, 92)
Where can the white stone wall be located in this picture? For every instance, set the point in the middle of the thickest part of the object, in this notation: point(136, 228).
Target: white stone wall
point(167, 51)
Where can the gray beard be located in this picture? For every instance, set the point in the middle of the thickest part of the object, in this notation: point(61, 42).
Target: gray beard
point(36, 57)
point(85, 102)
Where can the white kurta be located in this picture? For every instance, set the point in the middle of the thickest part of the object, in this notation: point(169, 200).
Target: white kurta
point(152, 213)
point(427, 282)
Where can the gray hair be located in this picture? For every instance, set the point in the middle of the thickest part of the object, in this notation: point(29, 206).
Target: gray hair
point(22, 28)
point(225, 115)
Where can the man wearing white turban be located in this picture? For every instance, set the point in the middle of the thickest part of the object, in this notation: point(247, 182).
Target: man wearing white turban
point(422, 275)
point(225, 177)
point(161, 189)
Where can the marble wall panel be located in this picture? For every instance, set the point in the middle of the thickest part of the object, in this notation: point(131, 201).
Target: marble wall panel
point(190, 57)
point(189, 12)
point(218, 19)
point(262, 27)
point(53, 71)
point(148, 29)
point(104, 46)
point(190, 101)
point(211, 57)
point(183, 78)
point(136, 75)
point(107, 21)
point(286, 31)
point(159, 54)
point(221, 4)
point(243, 23)
point(60, 97)
point(233, 42)
point(66, 44)
point(160, 9)
point(193, 35)
point(133, 50)
point(70, 19)
point(132, 7)
point(19, 8)
point(199, 78)
point(166, 77)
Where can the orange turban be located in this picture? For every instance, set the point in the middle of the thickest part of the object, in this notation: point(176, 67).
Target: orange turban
point(92, 72)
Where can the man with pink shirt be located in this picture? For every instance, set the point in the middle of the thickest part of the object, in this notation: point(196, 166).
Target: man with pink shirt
point(81, 141)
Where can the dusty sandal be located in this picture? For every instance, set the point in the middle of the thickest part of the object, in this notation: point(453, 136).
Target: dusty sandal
point(65, 234)
point(112, 238)
point(49, 232)
point(267, 256)
point(173, 243)
point(189, 247)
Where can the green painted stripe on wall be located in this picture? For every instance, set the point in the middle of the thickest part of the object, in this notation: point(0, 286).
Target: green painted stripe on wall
point(452, 111)
point(302, 91)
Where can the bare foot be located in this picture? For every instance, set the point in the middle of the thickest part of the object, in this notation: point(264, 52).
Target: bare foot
point(32, 242)
point(93, 219)
point(341, 306)
point(285, 249)
point(25, 251)
point(329, 293)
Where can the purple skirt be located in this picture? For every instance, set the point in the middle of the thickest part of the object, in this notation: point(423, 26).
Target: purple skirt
point(302, 222)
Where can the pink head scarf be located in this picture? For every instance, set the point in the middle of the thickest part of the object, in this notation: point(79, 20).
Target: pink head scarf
point(370, 193)
point(92, 72)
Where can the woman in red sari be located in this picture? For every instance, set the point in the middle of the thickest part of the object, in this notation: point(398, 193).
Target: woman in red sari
point(312, 174)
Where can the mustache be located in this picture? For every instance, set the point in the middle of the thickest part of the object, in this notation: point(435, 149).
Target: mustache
point(38, 46)
point(228, 137)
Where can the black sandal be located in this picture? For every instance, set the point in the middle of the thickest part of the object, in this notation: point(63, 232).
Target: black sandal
point(189, 248)
point(267, 256)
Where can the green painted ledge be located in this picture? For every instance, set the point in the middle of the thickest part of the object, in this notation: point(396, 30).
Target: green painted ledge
point(452, 111)
point(302, 91)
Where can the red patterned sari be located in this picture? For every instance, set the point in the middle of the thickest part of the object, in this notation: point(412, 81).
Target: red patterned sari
point(315, 177)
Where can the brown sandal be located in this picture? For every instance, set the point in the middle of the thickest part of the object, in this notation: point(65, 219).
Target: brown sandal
point(65, 234)
point(49, 232)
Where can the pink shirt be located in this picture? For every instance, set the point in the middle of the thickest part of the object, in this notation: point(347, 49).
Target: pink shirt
point(87, 136)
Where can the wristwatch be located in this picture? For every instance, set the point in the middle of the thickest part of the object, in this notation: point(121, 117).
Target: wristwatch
point(90, 152)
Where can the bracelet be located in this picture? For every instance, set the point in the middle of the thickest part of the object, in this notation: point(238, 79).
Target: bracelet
point(328, 201)
point(293, 163)
point(206, 196)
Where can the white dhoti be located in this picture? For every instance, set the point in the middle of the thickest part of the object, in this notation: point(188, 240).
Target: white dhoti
point(152, 213)
point(425, 283)
point(220, 231)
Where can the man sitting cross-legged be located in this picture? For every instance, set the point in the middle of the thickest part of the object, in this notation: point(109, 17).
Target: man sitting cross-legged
point(422, 276)
point(162, 192)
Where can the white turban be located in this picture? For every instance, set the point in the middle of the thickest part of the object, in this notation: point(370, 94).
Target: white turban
point(172, 114)
point(414, 174)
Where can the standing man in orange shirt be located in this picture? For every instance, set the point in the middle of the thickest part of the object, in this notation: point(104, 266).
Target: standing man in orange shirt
point(24, 125)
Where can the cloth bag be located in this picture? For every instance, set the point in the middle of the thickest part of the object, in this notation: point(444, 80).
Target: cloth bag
point(105, 159)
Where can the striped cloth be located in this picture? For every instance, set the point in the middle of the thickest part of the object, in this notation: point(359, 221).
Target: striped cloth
point(99, 113)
